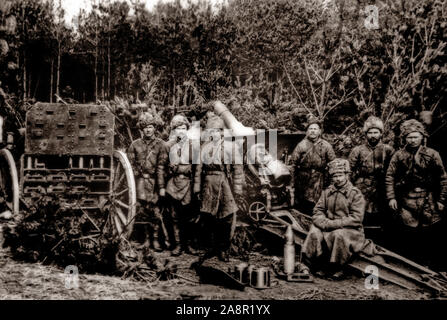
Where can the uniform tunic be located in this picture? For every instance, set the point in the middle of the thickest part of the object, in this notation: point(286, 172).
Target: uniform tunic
point(368, 167)
point(309, 161)
point(337, 225)
point(177, 173)
point(145, 157)
point(213, 179)
point(417, 180)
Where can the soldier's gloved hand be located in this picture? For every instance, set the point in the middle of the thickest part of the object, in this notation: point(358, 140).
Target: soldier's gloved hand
point(393, 204)
point(440, 206)
point(162, 192)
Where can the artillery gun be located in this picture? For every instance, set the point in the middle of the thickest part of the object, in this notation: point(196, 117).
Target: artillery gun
point(271, 209)
point(70, 155)
point(267, 176)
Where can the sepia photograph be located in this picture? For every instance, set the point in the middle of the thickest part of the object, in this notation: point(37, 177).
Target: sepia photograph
point(202, 151)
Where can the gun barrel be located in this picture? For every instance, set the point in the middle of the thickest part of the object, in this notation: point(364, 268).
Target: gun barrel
point(231, 122)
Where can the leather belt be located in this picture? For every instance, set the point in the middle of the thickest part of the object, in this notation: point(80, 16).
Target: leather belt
point(213, 172)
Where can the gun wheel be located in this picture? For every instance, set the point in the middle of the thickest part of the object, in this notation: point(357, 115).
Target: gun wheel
point(257, 211)
point(9, 181)
point(123, 195)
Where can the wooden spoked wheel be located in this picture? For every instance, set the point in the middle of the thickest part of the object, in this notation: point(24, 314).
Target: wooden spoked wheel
point(123, 195)
point(257, 211)
point(9, 181)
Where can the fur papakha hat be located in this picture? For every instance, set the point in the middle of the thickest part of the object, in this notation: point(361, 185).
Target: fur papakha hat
point(179, 120)
point(338, 165)
point(311, 119)
point(410, 126)
point(373, 123)
point(147, 119)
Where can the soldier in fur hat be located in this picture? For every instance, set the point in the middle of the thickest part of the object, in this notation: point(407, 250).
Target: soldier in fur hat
point(369, 162)
point(217, 183)
point(416, 188)
point(145, 156)
point(308, 164)
point(178, 171)
point(336, 232)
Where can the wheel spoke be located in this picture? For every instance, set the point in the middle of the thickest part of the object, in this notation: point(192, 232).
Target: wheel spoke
point(118, 182)
point(117, 171)
point(121, 215)
point(121, 192)
point(118, 224)
point(122, 204)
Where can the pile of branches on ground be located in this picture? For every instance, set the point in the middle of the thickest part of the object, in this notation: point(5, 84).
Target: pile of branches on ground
point(139, 263)
point(50, 234)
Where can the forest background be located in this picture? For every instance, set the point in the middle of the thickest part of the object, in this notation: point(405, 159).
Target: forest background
point(271, 61)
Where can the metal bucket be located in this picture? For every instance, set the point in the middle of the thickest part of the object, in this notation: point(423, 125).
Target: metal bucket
point(260, 278)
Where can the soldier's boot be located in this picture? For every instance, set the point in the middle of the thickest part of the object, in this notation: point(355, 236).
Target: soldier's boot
point(176, 249)
point(190, 250)
point(154, 239)
point(223, 239)
point(185, 240)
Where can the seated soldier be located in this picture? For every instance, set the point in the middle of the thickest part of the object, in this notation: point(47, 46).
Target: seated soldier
point(337, 231)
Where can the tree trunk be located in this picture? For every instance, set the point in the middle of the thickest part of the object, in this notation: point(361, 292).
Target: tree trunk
point(96, 72)
point(51, 80)
point(28, 87)
point(58, 67)
point(24, 75)
point(108, 68)
point(102, 79)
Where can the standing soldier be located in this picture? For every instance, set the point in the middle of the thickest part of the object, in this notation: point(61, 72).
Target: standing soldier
point(309, 161)
point(416, 188)
point(145, 155)
point(369, 162)
point(178, 173)
point(212, 183)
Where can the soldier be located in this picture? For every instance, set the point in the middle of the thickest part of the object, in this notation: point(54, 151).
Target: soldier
point(212, 183)
point(369, 162)
point(145, 155)
point(416, 188)
point(336, 232)
point(178, 173)
point(309, 161)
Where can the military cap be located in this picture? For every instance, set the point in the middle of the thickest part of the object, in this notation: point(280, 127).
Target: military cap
point(338, 165)
point(410, 126)
point(373, 123)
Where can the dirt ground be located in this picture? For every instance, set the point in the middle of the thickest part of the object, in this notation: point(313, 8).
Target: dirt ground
point(20, 280)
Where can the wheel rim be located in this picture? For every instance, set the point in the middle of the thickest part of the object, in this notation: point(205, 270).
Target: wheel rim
point(9, 180)
point(257, 211)
point(123, 195)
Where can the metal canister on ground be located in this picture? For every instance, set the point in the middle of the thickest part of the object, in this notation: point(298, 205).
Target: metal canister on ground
point(239, 272)
point(260, 278)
